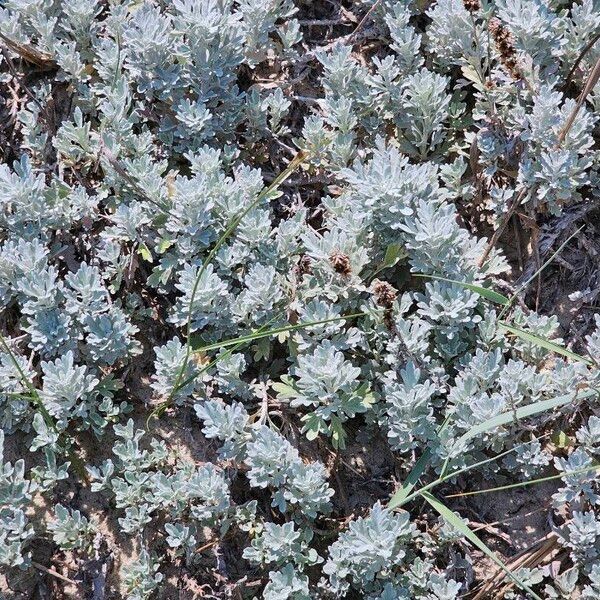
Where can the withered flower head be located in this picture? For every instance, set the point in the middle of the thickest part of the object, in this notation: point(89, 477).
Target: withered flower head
point(385, 293)
point(341, 263)
point(472, 5)
point(505, 44)
point(303, 266)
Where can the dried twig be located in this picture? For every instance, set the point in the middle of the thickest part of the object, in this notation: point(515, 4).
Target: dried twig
point(591, 82)
point(323, 22)
point(552, 231)
point(53, 573)
point(13, 71)
point(358, 35)
point(529, 557)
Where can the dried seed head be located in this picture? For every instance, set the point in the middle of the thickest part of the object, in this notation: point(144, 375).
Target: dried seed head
point(303, 266)
point(472, 5)
point(341, 263)
point(505, 44)
point(385, 293)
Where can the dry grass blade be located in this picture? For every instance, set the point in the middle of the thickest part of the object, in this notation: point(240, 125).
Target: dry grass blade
point(31, 54)
point(529, 558)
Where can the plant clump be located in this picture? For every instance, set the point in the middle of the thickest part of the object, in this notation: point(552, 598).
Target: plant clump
point(295, 295)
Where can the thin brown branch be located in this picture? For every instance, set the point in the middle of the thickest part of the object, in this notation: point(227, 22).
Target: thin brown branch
point(505, 220)
point(13, 71)
point(589, 86)
point(53, 573)
point(323, 22)
point(530, 557)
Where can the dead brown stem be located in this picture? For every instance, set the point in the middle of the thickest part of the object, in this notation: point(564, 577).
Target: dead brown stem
point(589, 86)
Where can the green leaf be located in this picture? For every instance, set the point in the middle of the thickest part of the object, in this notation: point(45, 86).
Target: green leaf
point(368, 397)
point(393, 254)
point(164, 245)
point(543, 343)
point(471, 74)
point(145, 253)
point(461, 526)
point(312, 434)
point(561, 440)
point(313, 426)
point(486, 293)
point(284, 390)
point(338, 435)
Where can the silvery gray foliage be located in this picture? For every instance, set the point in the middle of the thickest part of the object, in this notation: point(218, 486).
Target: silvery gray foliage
point(67, 388)
point(329, 384)
point(279, 544)
point(165, 132)
point(141, 577)
point(594, 588)
point(371, 547)
point(16, 531)
point(71, 530)
point(287, 584)
point(273, 463)
point(15, 405)
point(170, 360)
point(580, 496)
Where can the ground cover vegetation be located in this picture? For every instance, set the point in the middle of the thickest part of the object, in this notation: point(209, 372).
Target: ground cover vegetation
point(299, 299)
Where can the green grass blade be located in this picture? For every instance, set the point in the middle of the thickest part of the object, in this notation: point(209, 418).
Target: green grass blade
point(292, 166)
point(245, 339)
point(161, 408)
point(461, 526)
point(34, 396)
point(405, 494)
point(486, 293)
point(411, 480)
point(543, 343)
point(445, 477)
point(521, 413)
point(401, 496)
point(236, 343)
point(512, 486)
